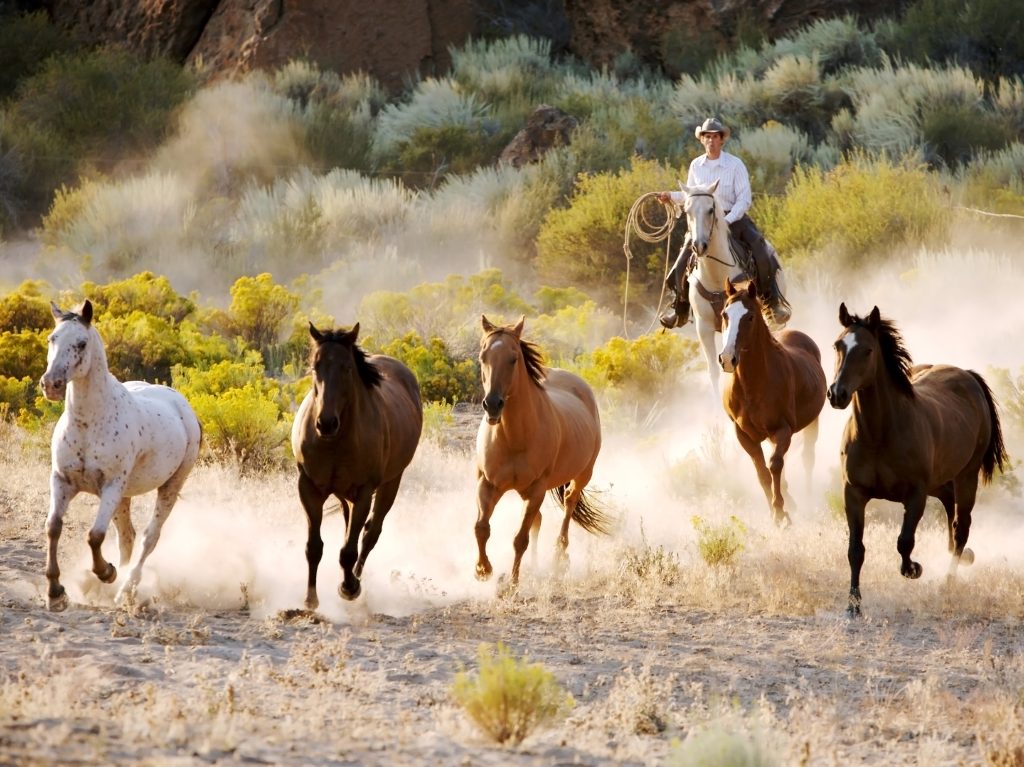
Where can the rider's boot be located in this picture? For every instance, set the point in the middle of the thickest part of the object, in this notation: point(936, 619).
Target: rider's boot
point(678, 315)
point(767, 284)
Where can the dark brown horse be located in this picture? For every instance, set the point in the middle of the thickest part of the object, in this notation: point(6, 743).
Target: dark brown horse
point(353, 436)
point(777, 388)
point(915, 431)
point(541, 431)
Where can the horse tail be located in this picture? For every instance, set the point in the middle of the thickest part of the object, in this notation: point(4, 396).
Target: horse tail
point(588, 514)
point(995, 452)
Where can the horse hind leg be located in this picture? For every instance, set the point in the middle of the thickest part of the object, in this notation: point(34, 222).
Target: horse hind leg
point(166, 497)
point(782, 440)
point(125, 530)
point(810, 441)
point(966, 491)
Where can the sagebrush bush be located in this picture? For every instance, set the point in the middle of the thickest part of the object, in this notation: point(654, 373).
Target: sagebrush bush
point(142, 292)
point(995, 181)
point(441, 376)
point(860, 209)
point(724, 743)
point(261, 309)
point(652, 364)
point(141, 346)
point(770, 153)
point(24, 308)
point(26, 41)
point(719, 544)
point(582, 244)
point(509, 698)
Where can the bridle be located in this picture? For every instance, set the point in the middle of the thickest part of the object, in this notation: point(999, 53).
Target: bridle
point(711, 234)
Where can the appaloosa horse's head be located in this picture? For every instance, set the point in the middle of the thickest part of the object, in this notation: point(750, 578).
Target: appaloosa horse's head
point(338, 366)
point(69, 353)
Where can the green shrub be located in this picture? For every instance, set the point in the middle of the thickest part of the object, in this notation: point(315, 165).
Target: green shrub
point(246, 426)
point(438, 419)
point(26, 41)
point(724, 743)
point(17, 394)
point(509, 698)
point(143, 292)
point(441, 376)
point(25, 308)
point(860, 209)
point(260, 310)
point(652, 364)
point(582, 244)
point(719, 544)
point(141, 346)
point(23, 354)
point(995, 181)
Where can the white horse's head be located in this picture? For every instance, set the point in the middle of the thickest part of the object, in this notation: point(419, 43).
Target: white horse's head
point(71, 348)
point(702, 214)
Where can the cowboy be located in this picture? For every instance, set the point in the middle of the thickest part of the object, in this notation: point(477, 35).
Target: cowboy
point(735, 196)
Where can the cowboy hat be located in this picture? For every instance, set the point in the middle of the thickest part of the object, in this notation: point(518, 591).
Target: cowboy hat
point(711, 125)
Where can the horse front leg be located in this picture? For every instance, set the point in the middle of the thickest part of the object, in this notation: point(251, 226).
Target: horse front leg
point(533, 498)
point(913, 510)
point(383, 500)
point(350, 587)
point(854, 501)
point(110, 500)
point(125, 530)
point(487, 496)
point(313, 503)
point(781, 440)
point(753, 449)
point(706, 335)
point(61, 493)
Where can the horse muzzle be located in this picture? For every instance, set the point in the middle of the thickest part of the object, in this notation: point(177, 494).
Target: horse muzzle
point(493, 406)
point(728, 362)
point(838, 396)
point(53, 388)
point(327, 426)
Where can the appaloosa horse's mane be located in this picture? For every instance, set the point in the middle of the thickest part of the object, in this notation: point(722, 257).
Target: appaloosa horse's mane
point(897, 359)
point(368, 372)
point(531, 356)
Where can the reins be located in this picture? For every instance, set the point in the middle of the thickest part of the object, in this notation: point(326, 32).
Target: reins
point(639, 224)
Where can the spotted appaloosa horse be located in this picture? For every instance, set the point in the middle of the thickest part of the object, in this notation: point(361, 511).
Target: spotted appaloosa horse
point(915, 431)
point(114, 440)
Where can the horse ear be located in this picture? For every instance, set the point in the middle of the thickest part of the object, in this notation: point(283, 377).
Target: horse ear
point(875, 319)
point(86, 313)
point(752, 289)
point(844, 315)
point(55, 310)
point(714, 186)
point(314, 333)
point(518, 329)
point(486, 324)
point(351, 336)
point(730, 289)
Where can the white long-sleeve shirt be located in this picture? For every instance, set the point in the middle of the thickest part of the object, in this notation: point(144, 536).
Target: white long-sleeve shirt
point(733, 183)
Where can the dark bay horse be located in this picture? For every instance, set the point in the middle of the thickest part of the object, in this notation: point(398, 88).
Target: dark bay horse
point(541, 431)
point(354, 434)
point(777, 388)
point(915, 431)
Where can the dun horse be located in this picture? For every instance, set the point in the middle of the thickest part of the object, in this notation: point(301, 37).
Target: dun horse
point(541, 431)
point(915, 431)
point(114, 440)
point(777, 388)
point(716, 263)
point(353, 437)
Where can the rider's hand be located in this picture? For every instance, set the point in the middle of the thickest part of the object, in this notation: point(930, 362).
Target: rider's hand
point(664, 197)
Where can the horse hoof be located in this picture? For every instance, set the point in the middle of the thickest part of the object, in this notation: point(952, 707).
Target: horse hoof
point(311, 602)
point(913, 572)
point(853, 611)
point(967, 557)
point(350, 594)
point(483, 573)
point(782, 521)
point(59, 603)
point(109, 575)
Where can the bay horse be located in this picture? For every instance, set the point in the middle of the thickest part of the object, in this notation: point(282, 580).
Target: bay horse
point(915, 431)
point(708, 231)
point(540, 431)
point(114, 440)
point(354, 434)
point(777, 388)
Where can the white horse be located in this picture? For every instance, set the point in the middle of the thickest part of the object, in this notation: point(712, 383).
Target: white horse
point(114, 441)
point(716, 264)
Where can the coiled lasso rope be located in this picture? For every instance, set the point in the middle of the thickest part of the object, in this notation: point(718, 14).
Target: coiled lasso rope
point(638, 223)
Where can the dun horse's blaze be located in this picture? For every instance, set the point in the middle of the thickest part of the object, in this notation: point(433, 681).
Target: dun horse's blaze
point(541, 431)
point(114, 440)
point(354, 435)
point(914, 431)
point(777, 388)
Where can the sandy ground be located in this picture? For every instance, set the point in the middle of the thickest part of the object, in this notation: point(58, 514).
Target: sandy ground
point(216, 665)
